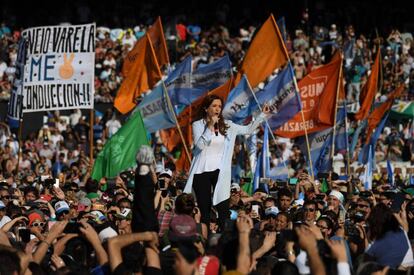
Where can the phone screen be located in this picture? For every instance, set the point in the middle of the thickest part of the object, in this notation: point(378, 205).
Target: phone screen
point(293, 181)
point(24, 235)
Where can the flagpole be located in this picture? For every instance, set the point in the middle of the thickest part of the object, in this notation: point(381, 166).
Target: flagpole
point(19, 137)
point(169, 101)
point(91, 123)
point(297, 89)
point(260, 108)
point(336, 110)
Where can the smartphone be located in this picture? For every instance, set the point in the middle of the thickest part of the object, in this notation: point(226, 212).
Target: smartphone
point(264, 180)
point(255, 208)
point(161, 184)
point(56, 183)
point(397, 201)
point(293, 181)
point(24, 234)
point(72, 227)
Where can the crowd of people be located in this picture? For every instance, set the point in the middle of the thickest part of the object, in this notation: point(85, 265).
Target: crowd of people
point(55, 219)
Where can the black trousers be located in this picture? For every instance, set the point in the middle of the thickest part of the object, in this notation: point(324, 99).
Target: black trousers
point(144, 216)
point(204, 185)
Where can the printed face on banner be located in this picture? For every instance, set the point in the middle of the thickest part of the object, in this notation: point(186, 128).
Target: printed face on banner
point(59, 68)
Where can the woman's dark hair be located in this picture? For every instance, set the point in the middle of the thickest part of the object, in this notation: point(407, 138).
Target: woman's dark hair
point(184, 204)
point(202, 112)
point(381, 220)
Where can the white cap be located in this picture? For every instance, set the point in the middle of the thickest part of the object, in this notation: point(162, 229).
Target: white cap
point(337, 195)
point(107, 233)
point(61, 206)
point(166, 172)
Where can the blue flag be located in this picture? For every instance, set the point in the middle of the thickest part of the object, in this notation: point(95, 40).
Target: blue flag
point(363, 155)
point(263, 163)
point(15, 107)
point(155, 112)
point(240, 103)
point(390, 173)
point(210, 76)
point(280, 172)
point(281, 96)
point(178, 82)
point(368, 170)
point(355, 136)
point(321, 143)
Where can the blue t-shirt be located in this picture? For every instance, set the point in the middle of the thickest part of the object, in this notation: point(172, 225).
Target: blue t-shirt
point(392, 250)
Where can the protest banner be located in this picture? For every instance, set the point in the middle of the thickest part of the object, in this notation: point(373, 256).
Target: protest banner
point(59, 68)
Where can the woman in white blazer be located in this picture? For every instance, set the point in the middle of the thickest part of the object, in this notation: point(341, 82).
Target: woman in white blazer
point(213, 143)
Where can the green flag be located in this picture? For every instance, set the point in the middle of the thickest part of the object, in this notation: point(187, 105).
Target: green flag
point(119, 151)
point(324, 187)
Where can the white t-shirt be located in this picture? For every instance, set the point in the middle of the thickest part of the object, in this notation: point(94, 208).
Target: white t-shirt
point(4, 220)
point(211, 155)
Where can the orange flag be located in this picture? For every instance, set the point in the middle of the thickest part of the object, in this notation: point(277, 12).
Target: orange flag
point(144, 75)
point(266, 53)
point(156, 33)
point(369, 90)
point(318, 92)
point(375, 117)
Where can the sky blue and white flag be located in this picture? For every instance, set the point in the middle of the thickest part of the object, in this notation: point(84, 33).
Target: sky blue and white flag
point(367, 178)
point(355, 136)
point(14, 111)
point(363, 155)
point(240, 103)
point(263, 163)
point(178, 82)
point(390, 172)
point(155, 112)
point(321, 143)
point(282, 98)
point(280, 172)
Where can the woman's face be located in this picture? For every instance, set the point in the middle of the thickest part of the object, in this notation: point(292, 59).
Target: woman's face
point(214, 109)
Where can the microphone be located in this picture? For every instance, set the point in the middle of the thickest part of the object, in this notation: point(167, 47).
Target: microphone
point(216, 129)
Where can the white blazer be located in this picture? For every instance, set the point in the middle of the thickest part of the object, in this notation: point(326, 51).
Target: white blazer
point(202, 138)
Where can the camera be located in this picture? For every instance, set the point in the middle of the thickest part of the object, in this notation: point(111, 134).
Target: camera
point(161, 184)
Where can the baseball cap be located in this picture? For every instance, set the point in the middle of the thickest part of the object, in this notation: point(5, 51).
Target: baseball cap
point(337, 195)
point(166, 172)
point(126, 214)
point(34, 216)
point(273, 210)
point(98, 216)
point(61, 206)
point(182, 227)
point(83, 204)
point(208, 265)
point(2, 205)
point(107, 233)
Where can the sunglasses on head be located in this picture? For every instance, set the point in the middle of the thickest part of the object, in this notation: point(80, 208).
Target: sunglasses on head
point(38, 224)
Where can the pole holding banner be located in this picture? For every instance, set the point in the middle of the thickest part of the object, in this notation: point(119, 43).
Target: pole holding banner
point(336, 109)
point(297, 89)
point(260, 108)
point(91, 123)
point(169, 101)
